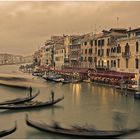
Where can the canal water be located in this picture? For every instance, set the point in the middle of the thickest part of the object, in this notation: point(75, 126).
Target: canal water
point(85, 104)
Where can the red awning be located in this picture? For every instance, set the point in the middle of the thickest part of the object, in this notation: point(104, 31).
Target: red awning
point(118, 75)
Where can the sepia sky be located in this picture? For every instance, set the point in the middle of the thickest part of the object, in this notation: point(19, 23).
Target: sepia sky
point(24, 26)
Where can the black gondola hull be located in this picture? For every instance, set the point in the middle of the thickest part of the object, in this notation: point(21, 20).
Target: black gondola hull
point(32, 105)
point(96, 134)
point(20, 100)
point(8, 132)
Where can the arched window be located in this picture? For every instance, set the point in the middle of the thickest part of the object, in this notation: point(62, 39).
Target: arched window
point(127, 48)
point(114, 49)
point(114, 63)
point(102, 63)
point(137, 46)
point(137, 63)
point(111, 50)
point(118, 48)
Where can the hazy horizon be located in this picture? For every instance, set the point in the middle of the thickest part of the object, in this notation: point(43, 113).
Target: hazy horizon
point(25, 26)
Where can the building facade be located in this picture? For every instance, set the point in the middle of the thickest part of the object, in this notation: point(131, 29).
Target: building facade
point(59, 55)
point(129, 58)
point(87, 52)
point(75, 51)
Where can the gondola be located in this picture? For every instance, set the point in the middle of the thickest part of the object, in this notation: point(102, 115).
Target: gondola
point(20, 100)
point(31, 104)
point(66, 81)
point(79, 132)
point(58, 79)
point(8, 131)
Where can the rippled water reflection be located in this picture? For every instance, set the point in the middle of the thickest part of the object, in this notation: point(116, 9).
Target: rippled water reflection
point(84, 103)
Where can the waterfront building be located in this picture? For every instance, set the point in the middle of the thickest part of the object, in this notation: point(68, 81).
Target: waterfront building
point(37, 58)
point(129, 56)
point(48, 53)
point(59, 53)
point(105, 47)
point(67, 51)
point(75, 51)
point(99, 50)
point(89, 51)
point(2, 59)
point(10, 59)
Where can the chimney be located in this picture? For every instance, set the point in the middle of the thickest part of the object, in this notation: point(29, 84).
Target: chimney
point(129, 28)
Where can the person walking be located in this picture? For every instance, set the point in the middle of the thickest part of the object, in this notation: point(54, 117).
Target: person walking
point(30, 91)
point(52, 95)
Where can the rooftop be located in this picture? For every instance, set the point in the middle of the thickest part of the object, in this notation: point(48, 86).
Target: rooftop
point(134, 30)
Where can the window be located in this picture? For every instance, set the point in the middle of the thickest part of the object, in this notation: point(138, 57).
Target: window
point(91, 43)
point(126, 63)
point(108, 63)
point(98, 52)
point(127, 48)
point(137, 46)
point(107, 52)
point(95, 50)
point(90, 59)
point(114, 63)
point(95, 59)
point(95, 42)
point(118, 63)
point(138, 33)
point(111, 63)
point(114, 49)
point(85, 51)
point(102, 52)
point(137, 63)
point(108, 41)
point(119, 49)
point(85, 59)
point(99, 63)
point(81, 58)
point(102, 63)
point(90, 51)
point(99, 43)
point(102, 42)
point(85, 43)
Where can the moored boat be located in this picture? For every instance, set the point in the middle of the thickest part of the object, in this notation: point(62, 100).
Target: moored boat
point(52, 77)
point(8, 131)
point(79, 132)
point(66, 81)
point(20, 100)
point(31, 104)
point(58, 79)
point(137, 95)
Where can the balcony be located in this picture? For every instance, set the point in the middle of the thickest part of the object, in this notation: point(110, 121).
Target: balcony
point(66, 60)
point(101, 54)
point(112, 54)
point(126, 54)
point(115, 54)
point(73, 58)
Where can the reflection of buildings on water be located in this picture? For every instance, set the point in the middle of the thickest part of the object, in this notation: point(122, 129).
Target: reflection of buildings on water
point(76, 90)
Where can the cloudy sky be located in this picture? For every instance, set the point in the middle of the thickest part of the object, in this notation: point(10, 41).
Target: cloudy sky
point(24, 26)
